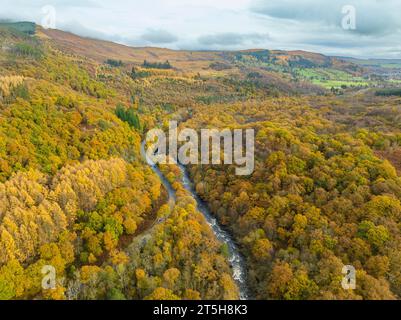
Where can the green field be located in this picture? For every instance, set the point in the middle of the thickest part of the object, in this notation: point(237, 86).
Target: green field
point(331, 78)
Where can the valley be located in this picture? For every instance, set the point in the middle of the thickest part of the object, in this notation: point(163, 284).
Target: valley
point(77, 193)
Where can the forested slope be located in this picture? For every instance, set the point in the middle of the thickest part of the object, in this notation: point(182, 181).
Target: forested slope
point(76, 195)
point(319, 199)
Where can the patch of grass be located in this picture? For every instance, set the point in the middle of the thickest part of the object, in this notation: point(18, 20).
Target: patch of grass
point(331, 78)
point(340, 84)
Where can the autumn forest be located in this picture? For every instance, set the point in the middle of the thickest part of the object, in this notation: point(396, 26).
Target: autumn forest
point(77, 194)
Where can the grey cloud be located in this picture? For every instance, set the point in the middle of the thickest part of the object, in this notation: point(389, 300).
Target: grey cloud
point(56, 3)
point(373, 17)
point(77, 28)
point(232, 39)
point(340, 42)
point(312, 25)
point(76, 3)
point(158, 36)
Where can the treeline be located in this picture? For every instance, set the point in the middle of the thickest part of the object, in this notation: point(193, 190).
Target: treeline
point(178, 258)
point(389, 92)
point(13, 87)
point(76, 221)
point(157, 65)
point(75, 195)
point(114, 63)
point(28, 28)
point(54, 127)
point(128, 115)
point(318, 199)
point(27, 50)
point(139, 74)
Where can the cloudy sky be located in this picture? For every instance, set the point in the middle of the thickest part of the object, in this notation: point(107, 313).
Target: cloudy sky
point(313, 25)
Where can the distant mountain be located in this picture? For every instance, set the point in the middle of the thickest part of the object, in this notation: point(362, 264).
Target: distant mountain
point(386, 63)
point(184, 59)
point(385, 69)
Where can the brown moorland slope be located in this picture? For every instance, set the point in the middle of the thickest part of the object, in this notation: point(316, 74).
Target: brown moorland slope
point(183, 60)
point(101, 50)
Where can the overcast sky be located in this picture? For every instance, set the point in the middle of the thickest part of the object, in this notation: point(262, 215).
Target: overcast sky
point(313, 25)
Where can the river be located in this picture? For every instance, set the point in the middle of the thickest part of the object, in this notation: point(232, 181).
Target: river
point(235, 258)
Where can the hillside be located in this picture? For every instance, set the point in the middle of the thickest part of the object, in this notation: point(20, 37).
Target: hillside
point(100, 51)
point(299, 70)
point(76, 194)
point(184, 60)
